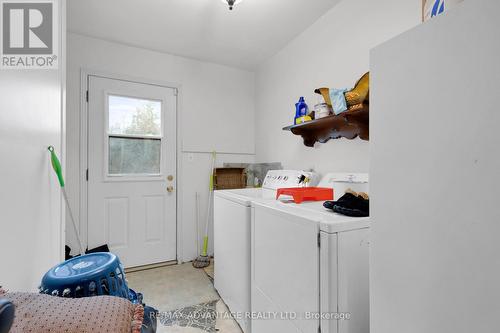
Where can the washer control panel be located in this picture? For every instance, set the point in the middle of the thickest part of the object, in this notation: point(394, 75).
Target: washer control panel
point(276, 179)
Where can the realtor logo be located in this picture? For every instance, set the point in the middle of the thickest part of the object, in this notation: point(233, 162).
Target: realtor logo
point(28, 38)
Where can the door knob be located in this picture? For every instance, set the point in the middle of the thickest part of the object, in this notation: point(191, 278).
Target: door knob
point(170, 189)
point(170, 178)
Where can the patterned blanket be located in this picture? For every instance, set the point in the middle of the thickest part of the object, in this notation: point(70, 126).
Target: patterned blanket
point(43, 313)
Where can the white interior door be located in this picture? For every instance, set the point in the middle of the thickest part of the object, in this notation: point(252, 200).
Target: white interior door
point(132, 170)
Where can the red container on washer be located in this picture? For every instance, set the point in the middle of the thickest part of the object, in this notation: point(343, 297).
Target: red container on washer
point(302, 194)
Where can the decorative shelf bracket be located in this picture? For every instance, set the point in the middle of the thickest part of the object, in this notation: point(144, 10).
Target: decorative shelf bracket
point(349, 125)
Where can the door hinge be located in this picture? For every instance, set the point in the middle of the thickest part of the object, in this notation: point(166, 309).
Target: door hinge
point(319, 329)
point(176, 91)
point(319, 239)
point(87, 175)
point(87, 96)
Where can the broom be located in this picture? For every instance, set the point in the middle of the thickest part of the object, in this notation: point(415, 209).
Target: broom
point(203, 260)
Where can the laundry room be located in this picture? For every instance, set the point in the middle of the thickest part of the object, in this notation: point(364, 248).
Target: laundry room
point(249, 166)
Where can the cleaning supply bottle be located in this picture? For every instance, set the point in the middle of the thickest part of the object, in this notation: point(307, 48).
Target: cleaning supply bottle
point(301, 111)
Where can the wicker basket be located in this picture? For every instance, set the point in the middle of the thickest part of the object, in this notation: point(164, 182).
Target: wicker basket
point(229, 178)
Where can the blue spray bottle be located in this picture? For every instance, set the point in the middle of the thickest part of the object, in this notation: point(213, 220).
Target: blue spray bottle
point(301, 110)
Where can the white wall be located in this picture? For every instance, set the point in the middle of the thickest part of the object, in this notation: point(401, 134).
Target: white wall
point(333, 52)
point(216, 113)
point(435, 175)
point(31, 118)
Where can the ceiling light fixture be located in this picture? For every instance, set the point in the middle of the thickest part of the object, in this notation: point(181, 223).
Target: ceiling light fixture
point(231, 3)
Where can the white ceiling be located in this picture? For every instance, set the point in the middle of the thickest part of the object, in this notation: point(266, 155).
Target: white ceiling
point(199, 29)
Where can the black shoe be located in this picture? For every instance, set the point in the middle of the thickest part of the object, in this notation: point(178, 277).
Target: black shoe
point(352, 212)
point(346, 200)
point(350, 205)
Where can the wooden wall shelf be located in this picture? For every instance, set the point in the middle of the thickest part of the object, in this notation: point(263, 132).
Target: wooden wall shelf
point(349, 125)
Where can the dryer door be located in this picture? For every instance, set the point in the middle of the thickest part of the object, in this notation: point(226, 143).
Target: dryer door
point(285, 272)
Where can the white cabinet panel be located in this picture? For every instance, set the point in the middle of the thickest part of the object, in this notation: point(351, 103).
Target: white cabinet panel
point(435, 175)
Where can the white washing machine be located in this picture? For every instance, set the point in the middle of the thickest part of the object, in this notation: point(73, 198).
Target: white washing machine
point(232, 216)
point(310, 265)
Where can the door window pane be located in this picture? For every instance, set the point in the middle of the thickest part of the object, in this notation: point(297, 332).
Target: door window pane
point(134, 155)
point(133, 116)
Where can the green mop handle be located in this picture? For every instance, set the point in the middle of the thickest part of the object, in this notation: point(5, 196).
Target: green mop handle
point(56, 165)
point(204, 253)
